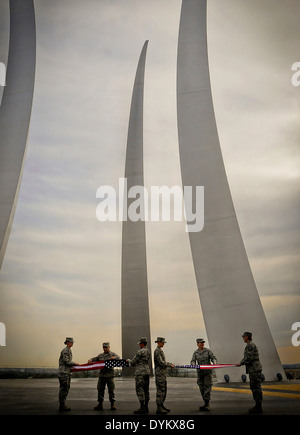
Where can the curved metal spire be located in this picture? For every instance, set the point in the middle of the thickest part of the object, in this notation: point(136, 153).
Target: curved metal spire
point(135, 305)
point(227, 291)
point(15, 111)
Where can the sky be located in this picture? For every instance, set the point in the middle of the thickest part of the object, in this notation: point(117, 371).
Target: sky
point(61, 274)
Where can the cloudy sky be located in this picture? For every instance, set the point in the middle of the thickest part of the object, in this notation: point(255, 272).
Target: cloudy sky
point(61, 275)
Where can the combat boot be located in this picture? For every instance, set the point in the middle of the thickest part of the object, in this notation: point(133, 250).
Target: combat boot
point(113, 406)
point(142, 408)
point(63, 407)
point(257, 409)
point(166, 409)
point(160, 410)
point(99, 407)
point(205, 407)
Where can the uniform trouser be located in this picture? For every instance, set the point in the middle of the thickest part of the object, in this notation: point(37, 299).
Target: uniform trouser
point(64, 387)
point(255, 385)
point(142, 387)
point(102, 382)
point(161, 389)
point(204, 381)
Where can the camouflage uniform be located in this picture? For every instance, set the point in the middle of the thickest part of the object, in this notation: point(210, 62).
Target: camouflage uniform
point(64, 373)
point(253, 368)
point(106, 377)
point(160, 375)
point(142, 373)
point(204, 377)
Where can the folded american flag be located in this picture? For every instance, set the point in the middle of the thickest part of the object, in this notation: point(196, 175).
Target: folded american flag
point(99, 365)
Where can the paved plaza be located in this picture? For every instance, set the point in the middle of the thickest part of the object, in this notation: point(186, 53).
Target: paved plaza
point(40, 397)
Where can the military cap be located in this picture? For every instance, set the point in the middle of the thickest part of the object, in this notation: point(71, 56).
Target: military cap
point(69, 339)
point(160, 339)
point(247, 334)
point(106, 344)
point(200, 340)
point(143, 340)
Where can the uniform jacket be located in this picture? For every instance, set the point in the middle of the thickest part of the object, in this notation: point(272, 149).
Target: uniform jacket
point(203, 357)
point(160, 362)
point(251, 358)
point(110, 372)
point(141, 361)
point(65, 362)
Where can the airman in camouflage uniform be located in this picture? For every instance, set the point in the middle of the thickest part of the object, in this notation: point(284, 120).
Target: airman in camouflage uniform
point(253, 368)
point(106, 377)
point(161, 376)
point(64, 373)
point(142, 375)
point(203, 356)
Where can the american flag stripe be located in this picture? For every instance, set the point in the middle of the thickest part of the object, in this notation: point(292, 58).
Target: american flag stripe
point(94, 366)
point(208, 366)
point(99, 365)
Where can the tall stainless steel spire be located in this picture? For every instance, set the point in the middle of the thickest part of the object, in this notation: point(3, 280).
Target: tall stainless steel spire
point(15, 111)
point(135, 305)
point(227, 291)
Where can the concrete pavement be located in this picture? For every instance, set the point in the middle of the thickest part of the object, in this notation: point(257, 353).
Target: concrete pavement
point(39, 397)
